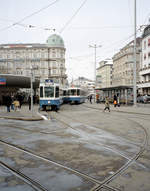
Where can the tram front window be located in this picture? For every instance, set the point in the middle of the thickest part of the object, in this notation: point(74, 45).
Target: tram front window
point(49, 91)
point(73, 92)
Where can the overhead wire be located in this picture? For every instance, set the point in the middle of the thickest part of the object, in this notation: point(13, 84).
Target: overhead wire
point(28, 16)
point(69, 21)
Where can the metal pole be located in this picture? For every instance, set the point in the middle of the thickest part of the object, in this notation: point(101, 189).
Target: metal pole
point(32, 91)
point(95, 65)
point(134, 64)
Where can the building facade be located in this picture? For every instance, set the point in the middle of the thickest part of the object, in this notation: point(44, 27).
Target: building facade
point(85, 83)
point(123, 64)
point(47, 60)
point(144, 82)
point(104, 73)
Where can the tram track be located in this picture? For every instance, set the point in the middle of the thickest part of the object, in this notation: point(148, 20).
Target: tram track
point(38, 156)
point(35, 185)
point(101, 184)
point(128, 163)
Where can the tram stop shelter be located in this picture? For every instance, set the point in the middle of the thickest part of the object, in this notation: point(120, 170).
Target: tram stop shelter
point(125, 93)
point(12, 83)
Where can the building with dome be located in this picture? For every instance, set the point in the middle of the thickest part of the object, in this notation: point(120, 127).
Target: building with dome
point(47, 60)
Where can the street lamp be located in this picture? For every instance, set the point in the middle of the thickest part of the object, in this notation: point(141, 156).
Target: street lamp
point(95, 47)
point(32, 80)
point(134, 64)
point(31, 90)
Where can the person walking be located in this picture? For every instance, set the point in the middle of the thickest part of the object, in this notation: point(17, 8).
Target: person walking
point(107, 106)
point(115, 101)
point(29, 102)
point(8, 102)
point(91, 99)
point(16, 104)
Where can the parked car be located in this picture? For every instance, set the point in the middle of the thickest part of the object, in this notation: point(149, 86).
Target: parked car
point(143, 99)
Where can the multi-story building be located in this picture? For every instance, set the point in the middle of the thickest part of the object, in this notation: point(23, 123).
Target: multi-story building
point(47, 59)
point(144, 82)
point(104, 73)
point(83, 82)
point(123, 64)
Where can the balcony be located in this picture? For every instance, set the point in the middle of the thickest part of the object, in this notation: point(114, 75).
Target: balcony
point(144, 84)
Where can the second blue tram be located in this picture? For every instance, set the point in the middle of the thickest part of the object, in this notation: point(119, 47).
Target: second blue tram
point(76, 95)
point(49, 96)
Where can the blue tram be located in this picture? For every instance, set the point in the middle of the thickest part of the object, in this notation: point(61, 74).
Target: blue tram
point(50, 98)
point(76, 95)
point(65, 95)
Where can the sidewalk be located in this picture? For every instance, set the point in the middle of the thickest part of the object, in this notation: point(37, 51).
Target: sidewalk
point(139, 109)
point(23, 114)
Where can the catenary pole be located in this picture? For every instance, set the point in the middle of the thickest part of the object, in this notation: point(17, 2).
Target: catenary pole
point(95, 48)
point(32, 91)
point(134, 64)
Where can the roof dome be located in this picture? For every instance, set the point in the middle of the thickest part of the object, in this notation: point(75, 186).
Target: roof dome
point(55, 41)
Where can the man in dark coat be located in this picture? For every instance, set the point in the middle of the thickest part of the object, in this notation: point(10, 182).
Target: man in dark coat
point(8, 102)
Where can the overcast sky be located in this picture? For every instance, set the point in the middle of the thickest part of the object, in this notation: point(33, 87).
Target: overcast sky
point(80, 23)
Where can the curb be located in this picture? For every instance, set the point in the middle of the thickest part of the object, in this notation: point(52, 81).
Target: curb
point(22, 118)
point(129, 112)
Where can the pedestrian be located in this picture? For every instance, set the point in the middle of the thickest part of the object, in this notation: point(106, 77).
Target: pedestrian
point(8, 102)
point(12, 102)
point(97, 98)
point(20, 99)
point(16, 104)
point(29, 102)
point(107, 106)
point(115, 101)
point(91, 99)
point(118, 101)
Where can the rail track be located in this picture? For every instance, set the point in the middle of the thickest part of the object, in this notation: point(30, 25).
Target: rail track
point(100, 184)
point(35, 185)
point(142, 147)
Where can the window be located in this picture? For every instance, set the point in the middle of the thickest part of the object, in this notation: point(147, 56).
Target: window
point(78, 92)
point(57, 92)
point(41, 91)
point(49, 91)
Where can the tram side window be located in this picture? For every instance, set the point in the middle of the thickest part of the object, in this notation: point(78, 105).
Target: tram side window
point(78, 92)
point(49, 91)
point(57, 92)
point(41, 91)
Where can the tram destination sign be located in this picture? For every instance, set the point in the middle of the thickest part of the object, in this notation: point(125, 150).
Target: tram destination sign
point(2, 81)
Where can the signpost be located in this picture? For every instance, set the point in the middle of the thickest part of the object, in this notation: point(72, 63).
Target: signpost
point(2, 81)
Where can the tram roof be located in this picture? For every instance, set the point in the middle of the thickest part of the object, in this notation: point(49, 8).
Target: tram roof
point(18, 81)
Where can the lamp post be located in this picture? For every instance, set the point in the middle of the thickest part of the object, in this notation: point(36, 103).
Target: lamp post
point(32, 79)
point(134, 64)
point(95, 47)
point(31, 90)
